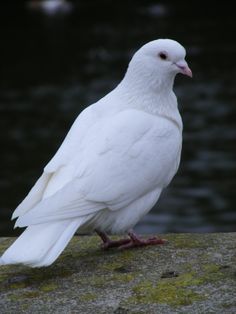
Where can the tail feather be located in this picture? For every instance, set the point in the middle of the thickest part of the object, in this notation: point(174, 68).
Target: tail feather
point(59, 245)
point(40, 245)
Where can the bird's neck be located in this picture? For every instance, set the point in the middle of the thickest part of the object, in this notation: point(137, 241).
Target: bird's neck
point(151, 95)
point(148, 81)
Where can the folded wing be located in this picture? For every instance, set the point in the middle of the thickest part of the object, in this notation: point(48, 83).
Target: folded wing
point(123, 158)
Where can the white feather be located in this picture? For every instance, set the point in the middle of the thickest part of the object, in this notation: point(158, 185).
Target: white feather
point(35, 195)
point(40, 245)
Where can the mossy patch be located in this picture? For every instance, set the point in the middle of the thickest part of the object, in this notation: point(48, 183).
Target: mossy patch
point(95, 281)
point(123, 278)
point(172, 292)
point(178, 290)
point(30, 295)
point(78, 243)
point(24, 307)
point(127, 255)
point(31, 278)
point(33, 294)
point(14, 297)
point(88, 297)
point(121, 266)
point(211, 268)
point(17, 285)
point(210, 273)
point(183, 241)
point(39, 275)
point(48, 287)
point(3, 277)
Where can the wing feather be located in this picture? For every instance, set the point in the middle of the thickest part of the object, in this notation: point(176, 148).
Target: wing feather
point(127, 156)
point(67, 203)
point(123, 158)
point(34, 196)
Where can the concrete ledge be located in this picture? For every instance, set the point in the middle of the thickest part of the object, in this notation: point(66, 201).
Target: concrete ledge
point(193, 273)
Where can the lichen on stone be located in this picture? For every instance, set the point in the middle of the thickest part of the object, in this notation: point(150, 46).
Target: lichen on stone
point(191, 274)
point(48, 287)
point(173, 291)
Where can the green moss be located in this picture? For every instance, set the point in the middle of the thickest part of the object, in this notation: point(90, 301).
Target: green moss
point(164, 293)
point(186, 280)
point(17, 285)
point(119, 265)
point(127, 255)
point(177, 290)
point(211, 272)
point(122, 277)
point(211, 268)
point(88, 297)
point(181, 241)
point(24, 307)
point(112, 265)
point(48, 287)
point(14, 297)
point(101, 281)
point(3, 276)
point(30, 294)
point(37, 276)
point(32, 278)
point(25, 295)
point(88, 243)
point(94, 280)
point(174, 292)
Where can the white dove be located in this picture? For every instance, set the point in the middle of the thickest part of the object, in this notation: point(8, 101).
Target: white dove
point(118, 156)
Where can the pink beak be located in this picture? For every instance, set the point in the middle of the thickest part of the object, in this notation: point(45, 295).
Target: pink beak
point(184, 68)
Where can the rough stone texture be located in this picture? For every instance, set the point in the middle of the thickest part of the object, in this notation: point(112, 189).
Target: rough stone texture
point(193, 273)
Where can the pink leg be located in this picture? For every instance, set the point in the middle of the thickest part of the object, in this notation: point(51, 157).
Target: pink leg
point(133, 242)
point(108, 243)
point(136, 241)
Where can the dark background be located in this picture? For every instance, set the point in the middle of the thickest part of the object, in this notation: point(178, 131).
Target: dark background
point(54, 65)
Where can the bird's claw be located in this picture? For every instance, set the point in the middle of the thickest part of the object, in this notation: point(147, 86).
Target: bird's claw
point(142, 242)
point(132, 242)
point(114, 243)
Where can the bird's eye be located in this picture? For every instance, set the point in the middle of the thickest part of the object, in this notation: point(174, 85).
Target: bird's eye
point(163, 55)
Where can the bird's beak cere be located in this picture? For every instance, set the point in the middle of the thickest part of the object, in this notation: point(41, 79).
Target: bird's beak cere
point(184, 68)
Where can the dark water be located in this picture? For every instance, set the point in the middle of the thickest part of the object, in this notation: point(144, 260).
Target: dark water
point(51, 67)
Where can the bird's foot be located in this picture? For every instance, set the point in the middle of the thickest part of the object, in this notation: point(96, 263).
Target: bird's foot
point(136, 241)
point(108, 243)
point(115, 243)
point(132, 242)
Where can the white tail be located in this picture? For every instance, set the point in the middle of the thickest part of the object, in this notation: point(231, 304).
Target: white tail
point(40, 245)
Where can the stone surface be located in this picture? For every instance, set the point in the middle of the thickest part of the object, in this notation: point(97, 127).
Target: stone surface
point(193, 273)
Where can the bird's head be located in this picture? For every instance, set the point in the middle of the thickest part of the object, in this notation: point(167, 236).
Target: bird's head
point(160, 60)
